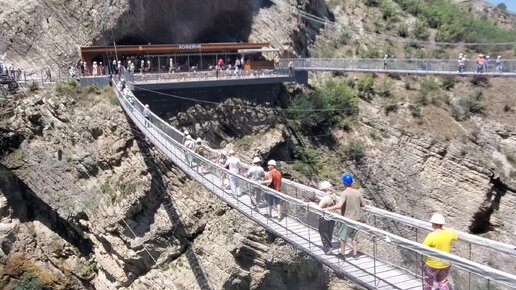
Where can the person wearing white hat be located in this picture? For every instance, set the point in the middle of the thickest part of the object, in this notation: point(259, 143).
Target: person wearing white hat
point(274, 182)
point(256, 173)
point(234, 166)
point(146, 115)
point(385, 59)
point(326, 226)
point(499, 63)
point(189, 143)
point(440, 239)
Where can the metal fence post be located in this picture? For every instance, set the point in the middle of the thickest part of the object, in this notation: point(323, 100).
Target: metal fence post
point(469, 273)
point(374, 262)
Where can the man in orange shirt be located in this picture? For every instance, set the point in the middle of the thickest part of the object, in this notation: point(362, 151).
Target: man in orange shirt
point(440, 239)
point(273, 181)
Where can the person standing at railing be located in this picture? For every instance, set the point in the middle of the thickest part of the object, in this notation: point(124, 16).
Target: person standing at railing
point(256, 173)
point(350, 204)
point(440, 239)
point(486, 63)
point(273, 181)
point(189, 143)
point(385, 61)
point(234, 166)
point(290, 68)
point(480, 63)
point(326, 226)
point(499, 65)
point(461, 62)
point(146, 115)
point(170, 65)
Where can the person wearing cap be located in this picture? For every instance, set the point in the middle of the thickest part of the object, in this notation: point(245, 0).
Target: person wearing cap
point(350, 204)
point(480, 63)
point(189, 144)
point(256, 173)
point(146, 114)
point(440, 239)
point(486, 63)
point(326, 226)
point(385, 59)
point(461, 63)
point(274, 182)
point(499, 63)
point(234, 166)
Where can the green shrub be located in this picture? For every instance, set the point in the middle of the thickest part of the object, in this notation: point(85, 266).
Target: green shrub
point(355, 150)
point(388, 10)
point(420, 30)
point(365, 87)
point(326, 106)
point(385, 88)
point(33, 86)
point(454, 23)
point(415, 110)
point(468, 105)
point(113, 100)
point(29, 281)
point(447, 83)
point(502, 6)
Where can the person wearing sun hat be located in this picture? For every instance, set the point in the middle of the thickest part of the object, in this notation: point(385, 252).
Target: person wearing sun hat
point(326, 226)
point(440, 239)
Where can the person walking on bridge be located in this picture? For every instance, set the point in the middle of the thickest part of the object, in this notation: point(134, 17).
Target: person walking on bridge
point(273, 181)
point(440, 239)
point(234, 166)
point(146, 115)
point(256, 173)
point(499, 63)
point(350, 204)
point(385, 60)
point(326, 226)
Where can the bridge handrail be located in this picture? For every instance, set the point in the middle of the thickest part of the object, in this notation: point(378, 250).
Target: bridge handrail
point(481, 270)
point(476, 240)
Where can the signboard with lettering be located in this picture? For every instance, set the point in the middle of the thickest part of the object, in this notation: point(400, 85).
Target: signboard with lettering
point(190, 46)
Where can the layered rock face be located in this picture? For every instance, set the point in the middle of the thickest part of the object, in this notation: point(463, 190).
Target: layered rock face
point(88, 205)
point(39, 33)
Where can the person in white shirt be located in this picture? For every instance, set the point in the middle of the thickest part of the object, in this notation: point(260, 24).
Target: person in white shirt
point(233, 165)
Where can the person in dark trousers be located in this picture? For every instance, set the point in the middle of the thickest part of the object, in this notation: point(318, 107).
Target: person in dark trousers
point(326, 226)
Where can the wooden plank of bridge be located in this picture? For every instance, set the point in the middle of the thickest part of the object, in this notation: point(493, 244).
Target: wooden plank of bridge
point(298, 234)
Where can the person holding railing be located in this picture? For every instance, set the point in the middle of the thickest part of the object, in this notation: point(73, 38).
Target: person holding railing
point(256, 173)
point(440, 239)
point(350, 203)
point(273, 181)
point(326, 226)
point(146, 115)
point(190, 144)
point(234, 166)
point(499, 64)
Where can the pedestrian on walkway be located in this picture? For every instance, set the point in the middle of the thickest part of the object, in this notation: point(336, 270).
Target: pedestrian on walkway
point(146, 115)
point(480, 63)
point(221, 160)
point(290, 68)
point(440, 239)
point(498, 62)
point(189, 144)
point(350, 204)
point(461, 63)
point(385, 60)
point(234, 166)
point(274, 182)
point(171, 65)
point(256, 173)
point(326, 226)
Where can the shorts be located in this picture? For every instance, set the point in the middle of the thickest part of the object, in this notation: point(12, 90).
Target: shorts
point(272, 199)
point(346, 232)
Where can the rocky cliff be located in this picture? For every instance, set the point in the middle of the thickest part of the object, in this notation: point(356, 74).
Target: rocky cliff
point(40, 33)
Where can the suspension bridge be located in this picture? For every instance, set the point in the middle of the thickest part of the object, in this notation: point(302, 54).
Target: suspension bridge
point(391, 259)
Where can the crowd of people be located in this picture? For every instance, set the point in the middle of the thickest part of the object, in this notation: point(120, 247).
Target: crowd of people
point(483, 63)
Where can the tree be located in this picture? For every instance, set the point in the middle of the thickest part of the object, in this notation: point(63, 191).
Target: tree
point(502, 6)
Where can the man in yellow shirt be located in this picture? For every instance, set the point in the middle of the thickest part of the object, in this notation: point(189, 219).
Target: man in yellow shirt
point(440, 239)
